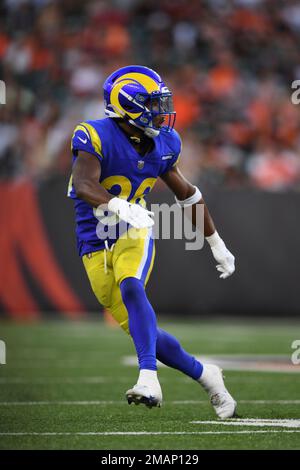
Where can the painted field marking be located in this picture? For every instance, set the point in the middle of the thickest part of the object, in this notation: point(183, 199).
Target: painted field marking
point(255, 363)
point(53, 380)
point(144, 433)
point(123, 402)
point(241, 362)
point(284, 423)
point(67, 403)
point(246, 402)
point(73, 380)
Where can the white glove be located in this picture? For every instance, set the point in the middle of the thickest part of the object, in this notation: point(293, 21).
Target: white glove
point(222, 255)
point(133, 214)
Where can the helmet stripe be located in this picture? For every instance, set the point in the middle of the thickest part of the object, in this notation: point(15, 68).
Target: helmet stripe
point(114, 98)
point(148, 83)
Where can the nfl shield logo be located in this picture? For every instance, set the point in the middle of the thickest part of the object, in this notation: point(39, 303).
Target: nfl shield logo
point(141, 164)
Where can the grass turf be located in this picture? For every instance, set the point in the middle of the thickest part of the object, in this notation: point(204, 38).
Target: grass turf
point(58, 363)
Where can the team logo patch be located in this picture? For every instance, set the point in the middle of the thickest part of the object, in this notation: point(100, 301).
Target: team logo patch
point(140, 164)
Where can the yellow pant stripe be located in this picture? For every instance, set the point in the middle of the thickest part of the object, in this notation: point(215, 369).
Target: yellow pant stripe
point(145, 256)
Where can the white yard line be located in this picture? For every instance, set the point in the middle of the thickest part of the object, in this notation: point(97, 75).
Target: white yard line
point(120, 402)
point(56, 380)
point(57, 363)
point(281, 423)
point(247, 402)
point(274, 363)
point(143, 433)
point(48, 403)
point(74, 380)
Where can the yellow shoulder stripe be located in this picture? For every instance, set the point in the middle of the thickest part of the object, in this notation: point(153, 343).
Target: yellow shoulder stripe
point(80, 127)
point(92, 135)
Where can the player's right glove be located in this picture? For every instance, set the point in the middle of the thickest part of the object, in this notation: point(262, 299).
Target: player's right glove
point(133, 214)
point(222, 255)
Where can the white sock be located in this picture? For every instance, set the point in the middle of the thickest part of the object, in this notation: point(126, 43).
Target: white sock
point(204, 373)
point(147, 377)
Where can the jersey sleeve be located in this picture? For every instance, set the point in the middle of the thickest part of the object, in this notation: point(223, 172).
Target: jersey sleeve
point(175, 160)
point(87, 139)
point(173, 157)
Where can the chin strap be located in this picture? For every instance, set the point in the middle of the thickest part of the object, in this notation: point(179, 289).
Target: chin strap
point(151, 132)
point(148, 131)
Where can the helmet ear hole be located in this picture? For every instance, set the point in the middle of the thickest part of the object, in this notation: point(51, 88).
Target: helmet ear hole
point(129, 108)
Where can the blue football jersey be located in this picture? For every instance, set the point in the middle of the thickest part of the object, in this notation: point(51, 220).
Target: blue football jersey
point(124, 173)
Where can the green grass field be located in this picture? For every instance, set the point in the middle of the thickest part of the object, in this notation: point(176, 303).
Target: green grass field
point(63, 387)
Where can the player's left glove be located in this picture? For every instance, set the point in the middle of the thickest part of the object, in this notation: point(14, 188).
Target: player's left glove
point(222, 255)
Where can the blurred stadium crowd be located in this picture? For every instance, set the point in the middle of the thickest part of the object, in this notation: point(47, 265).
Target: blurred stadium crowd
point(229, 63)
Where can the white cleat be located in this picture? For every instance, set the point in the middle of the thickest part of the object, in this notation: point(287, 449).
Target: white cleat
point(213, 383)
point(149, 396)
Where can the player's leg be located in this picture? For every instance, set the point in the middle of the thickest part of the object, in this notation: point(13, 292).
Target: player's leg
point(168, 348)
point(141, 322)
point(170, 352)
point(133, 259)
point(142, 327)
point(98, 266)
point(103, 284)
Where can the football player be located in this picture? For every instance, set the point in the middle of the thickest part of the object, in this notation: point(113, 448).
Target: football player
point(116, 162)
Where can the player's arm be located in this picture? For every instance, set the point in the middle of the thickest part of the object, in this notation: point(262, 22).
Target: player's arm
point(86, 175)
point(188, 195)
point(184, 190)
